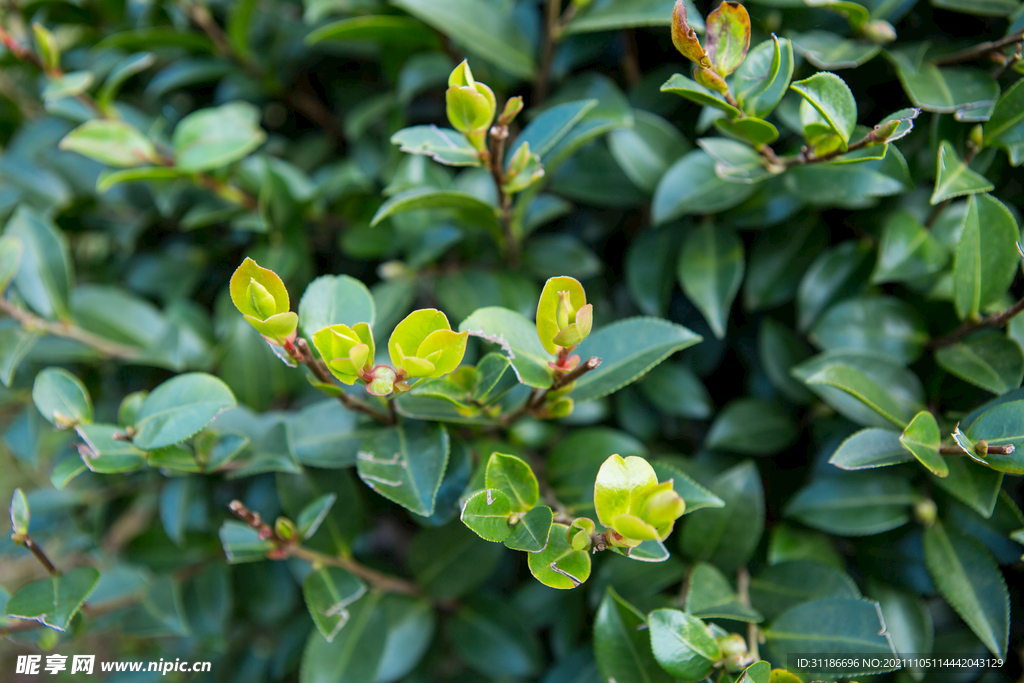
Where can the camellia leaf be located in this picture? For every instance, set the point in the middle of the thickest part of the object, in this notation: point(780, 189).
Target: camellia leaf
point(735, 161)
point(711, 596)
point(692, 186)
point(986, 256)
point(862, 387)
point(971, 582)
point(646, 150)
point(683, 644)
point(61, 398)
point(111, 142)
point(763, 78)
point(335, 300)
point(514, 478)
point(486, 513)
point(608, 15)
point(443, 145)
point(975, 485)
point(558, 565)
point(550, 127)
point(406, 463)
point(954, 178)
point(464, 206)
point(530, 534)
point(19, 512)
point(907, 251)
point(969, 94)
point(830, 95)
point(383, 28)
point(1001, 425)
point(870, 448)
point(710, 270)
point(695, 495)
point(877, 325)
point(215, 137)
point(922, 438)
point(783, 586)
point(104, 453)
point(727, 537)
point(853, 503)
point(622, 647)
point(54, 601)
point(692, 90)
point(834, 627)
point(328, 592)
point(990, 361)
point(752, 426)
point(628, 349)
point(1006, 117)
point(179, 408)
point(517, 337)
point(44, 277)
point(826, 50)
point(353, 654)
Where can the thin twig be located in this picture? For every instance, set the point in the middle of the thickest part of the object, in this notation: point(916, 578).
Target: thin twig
point(37, 552)
point(986, 449)
point(496, 161)
point(31, 322)
point(304, 355)
point(743, 591)
point(290, 548)
point(536, 399)
point(980, 50)
point(997, 320)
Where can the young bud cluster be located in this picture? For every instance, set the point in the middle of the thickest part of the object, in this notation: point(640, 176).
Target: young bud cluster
point(632, 504)
point(260, 295)
point(471, 106)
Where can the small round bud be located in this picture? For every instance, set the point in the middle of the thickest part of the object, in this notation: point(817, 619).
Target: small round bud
point(261, 300)
point(879, 31)
point(285, 529)
point(926, 512)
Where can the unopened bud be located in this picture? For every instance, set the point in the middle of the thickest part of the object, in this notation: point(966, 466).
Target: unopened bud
point(977, 136)
point(512, 108)
point(663, 507)
point(564, 312)
point(710, 79)
point(285, 529)
point(734, 651)
point(879, 31)
point(926, 512)
point(981, 447)
point(383, 381)
point(261, 300)
point(561, 408)
point(884, 131)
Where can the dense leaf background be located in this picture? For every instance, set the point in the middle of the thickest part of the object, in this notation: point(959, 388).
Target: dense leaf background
point(815, 353)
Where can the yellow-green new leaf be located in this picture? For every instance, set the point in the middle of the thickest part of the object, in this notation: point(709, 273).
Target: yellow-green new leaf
point(110, 142)
point(513, 477)
point(922, 438)
point(728, 37)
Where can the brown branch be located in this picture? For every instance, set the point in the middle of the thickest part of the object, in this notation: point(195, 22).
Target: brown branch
point(302, 354)
point(983, 449)
point(290, 548)
point(806, 156)
point(980, 50)
point(580, 370)
point(33, 323)
point(997, 320)
point(537, 397)
point(499, 134)
point(33, 547)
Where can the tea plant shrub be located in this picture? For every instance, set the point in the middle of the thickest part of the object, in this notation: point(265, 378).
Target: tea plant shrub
point(457, 340)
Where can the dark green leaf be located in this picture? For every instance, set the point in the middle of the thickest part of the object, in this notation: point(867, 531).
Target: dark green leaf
point(530, 534)
point(242, 543)
point(954, 178)
point(829, 51)
point(788, 584)
point(830, 95)
point(61, 398)
point(969, 94)
point(451, 561)
point(335, 300)
point(355, 652)
point(646, 150)
point(491, 639)
point(779, 350)
point(608, 15)
point(710, 270)
point(986, 257)
point(517, 336)
point(974, 484)
point(1002, 425)
point(45, 274)
point(922, 438)
point(683, 644)
point(880, 325)
point(763, 78)
point(406, 463)
point(778, 260)
point(862, 387)
point(908, 250)
point(104, 453)
point(727, 537)
point(695, 495)
point(839, 272)
point(971, 582)
point(215, 137)
point(411, 624)
point(990, 361)
point(622, 647)
point(513, 477)
point(54, 601)
point(691, 186)
point(1006, 117)
point(691, 90)
point(179, 408)
point(870, 448)
point(676, 390)
point(328, 592)
point(752, 426)
point(853, 503)
point(711, 596)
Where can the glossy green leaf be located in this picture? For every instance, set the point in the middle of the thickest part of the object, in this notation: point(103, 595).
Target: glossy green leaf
point(832, 98)
point(986, 256)
point(558, 565)
point(54, 601)
point(674, 389)
point(971, 582)
point(990, 361)
point(862, 387)
point(110, 142)
point(608, 15)
point(984, 8)
point(839, 272)
point(355, 652)
point(974, 484)
point(628, 349)
point(487, 513)
point(851, 184)
point(752, 426)
point(179, 408)
point(779, 350)
point(406, 463)
point(335, 300)
point(451, 561)
point(443, 145)
point(386, 29)
point(691, 90)
point(750, 131)
point(683, 644)
point(242, 543)
point(1006, 117)
point(691, 186)
point(853, 503)
point(411, 626)
point(328, 592)
point(967, 93)
point(1002, 425)
point(879, 325)
point(622, 647)
point(736, 162)
point(486, 30)
point(727, 537)
point(832, 52)
point(907, 251)
point(870, 448)
point(493, 640)
point(763, 78)
point(314, 514)
point(646, 150)
point(61, 398)
point(710, 270)
point(104, 453)
point(954, 178)
point(517, 337)
point(513, 477)
point(791, 544)
point(530, 533)
point(834, 627)
point(783, 586)
point(215, 137)
point(464, 206)
point(711, 596)
point(922, 438)
point(551, 126)
point(44, 277)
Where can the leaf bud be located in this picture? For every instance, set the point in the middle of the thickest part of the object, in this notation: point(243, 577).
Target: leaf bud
point(710, 79)
point(879, 31)
point(347, 351)
point(564, 318)
point(470, 105)
point(580, 533)
point(513, 106)
point(734, 652)
point(261, 297)
point(382, 381)
point(524, 169)
point(926, 512)
point(424, 345)
point(561, 408)
point(285, 529)
point(629, 499)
